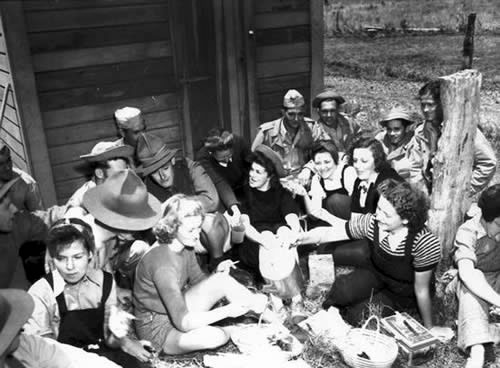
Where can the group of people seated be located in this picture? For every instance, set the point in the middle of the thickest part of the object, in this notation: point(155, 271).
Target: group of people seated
point(157, 250)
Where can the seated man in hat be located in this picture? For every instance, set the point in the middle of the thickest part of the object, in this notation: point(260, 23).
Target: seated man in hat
point(401, 149)
point(76, 304)
point(289, 136)
point(24, 194)
point(225, 157)
point(105, 159)
point(332, 125)
point(123, 214)
point(166, 173)
point(130, 124)
point(18, 349)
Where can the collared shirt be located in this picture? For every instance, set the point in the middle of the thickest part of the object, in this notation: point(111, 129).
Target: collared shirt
point(364, 187)
point(86, 294)
point(484, 164)
point(76, 199)
point(341, 135)
point(406, 159)
point(472, 242)
point(294, 151)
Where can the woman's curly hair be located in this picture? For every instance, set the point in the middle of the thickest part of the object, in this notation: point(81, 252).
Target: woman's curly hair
point(410, 203)
point(267, 164)
point(177, 208)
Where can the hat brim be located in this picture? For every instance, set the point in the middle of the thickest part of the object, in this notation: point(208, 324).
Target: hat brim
point(94, 200)
point(275, 159)
point(319, 99)
point(147, 170)
point(403, 117)
point(121, 151)
point(21, 308)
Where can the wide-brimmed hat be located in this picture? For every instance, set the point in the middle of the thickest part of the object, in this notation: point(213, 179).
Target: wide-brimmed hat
point(104, 151)
point(293, 99)
point(327, 94)
point(16, 307)
point(123, 202)
point(128, 117)
point(274, 157)
point(397, 113)
point(152, 154)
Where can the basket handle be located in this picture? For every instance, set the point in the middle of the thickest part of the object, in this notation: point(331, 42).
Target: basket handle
point(365, 325)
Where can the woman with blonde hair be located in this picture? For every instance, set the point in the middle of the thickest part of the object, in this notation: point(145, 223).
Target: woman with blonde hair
point(173, 298)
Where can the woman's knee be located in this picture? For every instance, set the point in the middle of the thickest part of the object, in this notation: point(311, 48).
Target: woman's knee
point(202, 338)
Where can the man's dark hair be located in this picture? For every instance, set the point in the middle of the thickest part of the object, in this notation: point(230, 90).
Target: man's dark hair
point(432, 88)
point(489, 203)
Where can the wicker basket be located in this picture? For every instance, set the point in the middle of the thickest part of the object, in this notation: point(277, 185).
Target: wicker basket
point(382, 350)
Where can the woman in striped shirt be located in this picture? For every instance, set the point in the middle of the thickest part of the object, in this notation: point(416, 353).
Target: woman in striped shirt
point(403, 256)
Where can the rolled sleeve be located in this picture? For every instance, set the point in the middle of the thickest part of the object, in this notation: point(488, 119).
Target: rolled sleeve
point(466, 240)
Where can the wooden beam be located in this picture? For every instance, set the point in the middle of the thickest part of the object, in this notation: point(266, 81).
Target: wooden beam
point(100, 55)
point(317, 51)
point(27, 100)
point(251, 65)
point(219, 58)
point(452, 164)
point(232, 60)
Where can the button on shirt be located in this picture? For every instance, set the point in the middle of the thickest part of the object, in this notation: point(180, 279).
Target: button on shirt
point(292, 150)
point(86, 294)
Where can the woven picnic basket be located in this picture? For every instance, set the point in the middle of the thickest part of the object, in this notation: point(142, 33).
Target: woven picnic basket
point(381, 349)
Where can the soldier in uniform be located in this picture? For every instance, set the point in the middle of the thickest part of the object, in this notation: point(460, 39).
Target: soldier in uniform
point(290, 135)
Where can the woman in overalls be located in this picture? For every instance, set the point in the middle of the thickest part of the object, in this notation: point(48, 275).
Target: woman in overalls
point(331, 186)
point(403, 256)
point(76, 303)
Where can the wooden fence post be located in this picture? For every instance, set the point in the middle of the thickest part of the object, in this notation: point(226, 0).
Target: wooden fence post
point(454, 157)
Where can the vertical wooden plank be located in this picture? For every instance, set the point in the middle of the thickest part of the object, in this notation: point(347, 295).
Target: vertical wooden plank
point(232, 65)
point(219, 57)
point(317, 29)
point(251, 63)
point(178, 39)
point(26, 97)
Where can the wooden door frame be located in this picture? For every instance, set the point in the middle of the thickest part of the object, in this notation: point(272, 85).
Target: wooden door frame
point(26, 97)
point(317, 52)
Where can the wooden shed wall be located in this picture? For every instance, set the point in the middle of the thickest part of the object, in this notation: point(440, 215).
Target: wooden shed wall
point(11, 132)
point(91, 57)
point(283, 52)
